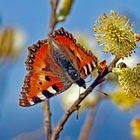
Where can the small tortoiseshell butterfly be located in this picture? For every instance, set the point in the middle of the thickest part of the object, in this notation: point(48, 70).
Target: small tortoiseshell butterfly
point(53, 66)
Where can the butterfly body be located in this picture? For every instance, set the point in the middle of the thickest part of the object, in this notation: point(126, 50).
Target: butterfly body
point(72, 74)
point(53, 66)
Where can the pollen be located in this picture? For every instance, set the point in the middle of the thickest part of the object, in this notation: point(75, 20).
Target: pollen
point(115, 33)
point(129, 79)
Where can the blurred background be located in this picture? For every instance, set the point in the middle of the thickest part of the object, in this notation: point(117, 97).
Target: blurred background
point(24, 22)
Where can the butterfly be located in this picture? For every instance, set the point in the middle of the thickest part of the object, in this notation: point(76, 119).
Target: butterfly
point(53, 65)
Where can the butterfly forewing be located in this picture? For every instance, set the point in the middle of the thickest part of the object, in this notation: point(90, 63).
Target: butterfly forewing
point(82, 59)
point(45, 77)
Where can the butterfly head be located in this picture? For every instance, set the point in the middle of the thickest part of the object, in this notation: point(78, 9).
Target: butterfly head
point(81, 83)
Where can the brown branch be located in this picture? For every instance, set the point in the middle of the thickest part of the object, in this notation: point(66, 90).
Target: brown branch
point(87, 125)
point(53, 20)
point(76, 105)
point(47, 119)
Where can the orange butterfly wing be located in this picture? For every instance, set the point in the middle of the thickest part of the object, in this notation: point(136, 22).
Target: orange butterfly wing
point(45, 77)
point(83, 60)
point(42, 81)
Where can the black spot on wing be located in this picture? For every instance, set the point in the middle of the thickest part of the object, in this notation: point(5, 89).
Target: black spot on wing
point(88, 71)
point(36, 100)
point(78, 59)
point(47, 94)
point(47, 78)
point(55, 88)
point(92, 66)
point(40, 83)
point(46, 69)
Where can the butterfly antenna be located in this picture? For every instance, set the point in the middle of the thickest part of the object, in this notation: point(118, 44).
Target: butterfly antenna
point(77, 115)
point(101, 92)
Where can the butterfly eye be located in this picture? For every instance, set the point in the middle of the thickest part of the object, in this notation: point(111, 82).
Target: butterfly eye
point(74, 75)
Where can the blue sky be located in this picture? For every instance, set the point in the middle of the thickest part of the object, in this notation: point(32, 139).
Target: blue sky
point(33, 17)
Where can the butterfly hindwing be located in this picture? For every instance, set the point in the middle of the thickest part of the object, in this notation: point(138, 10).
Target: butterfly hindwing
point(42, 81)
point(83, 59)
point(38, 86)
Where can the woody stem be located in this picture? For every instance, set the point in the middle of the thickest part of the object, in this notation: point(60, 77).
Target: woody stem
point(53, 20)
point(47, 119)
point(100, 78)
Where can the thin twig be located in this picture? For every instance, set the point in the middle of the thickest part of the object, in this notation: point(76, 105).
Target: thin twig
point(87, 125)
point(100, 78)
point(46, 107)
point(47, 119)
point(53, 20)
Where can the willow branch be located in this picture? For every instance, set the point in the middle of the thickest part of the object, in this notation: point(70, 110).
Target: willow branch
point(53, 20)
point(100, 78)
point(47, 119)
point(87, 125)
